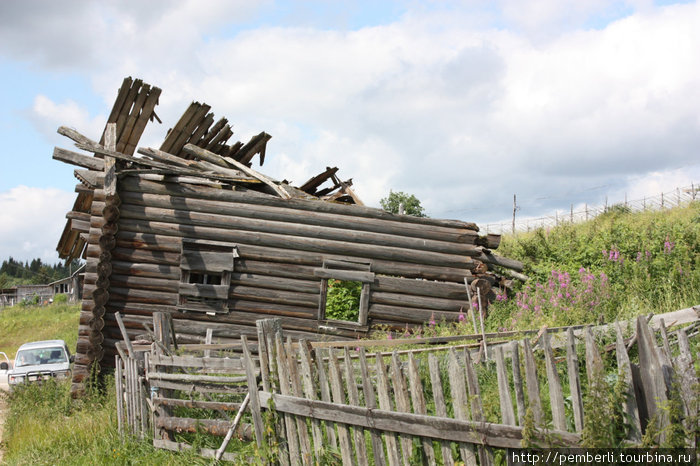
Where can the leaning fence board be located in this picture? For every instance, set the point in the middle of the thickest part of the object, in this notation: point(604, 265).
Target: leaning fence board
point(118, 379)
point(419, 406)
point(354, 399)
point(518, 382)
point(310, 393)
point(533, 385)
point(391, 438)
point(403, 403)
point(458, 390)
point(556, 396)
point(485, 453)
point(253, 393)
point(630, 403)
point(302, 432)
point(371, 403)
point(339, 398)
point(651, 373)
point(688, 381)
point(288, 419)
point(440, 407)
point(454, 430)
point(325, 394)
point(574, 380)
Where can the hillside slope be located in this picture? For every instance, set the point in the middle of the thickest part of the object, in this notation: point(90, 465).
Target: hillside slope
point(618, 265)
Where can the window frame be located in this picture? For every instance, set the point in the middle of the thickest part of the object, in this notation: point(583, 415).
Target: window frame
point(206, 259)
point(345, 271)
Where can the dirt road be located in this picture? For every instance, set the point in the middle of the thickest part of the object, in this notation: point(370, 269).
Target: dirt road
point(3, 409)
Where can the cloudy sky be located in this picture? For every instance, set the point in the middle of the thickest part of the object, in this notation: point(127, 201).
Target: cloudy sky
point(461, 103)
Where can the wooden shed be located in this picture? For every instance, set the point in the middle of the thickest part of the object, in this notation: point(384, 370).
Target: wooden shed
point(191, 229)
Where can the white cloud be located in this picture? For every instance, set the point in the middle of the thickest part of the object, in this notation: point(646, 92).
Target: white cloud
point(48, 115)
point(546, 104)
point(31, 222)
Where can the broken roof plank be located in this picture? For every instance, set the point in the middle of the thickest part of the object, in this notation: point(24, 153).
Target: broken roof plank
point(119, 102)
point(198, 152)
point(146, 113)
point(176, 130)
point(256, 145)
point(314, 182)
point(80, 160)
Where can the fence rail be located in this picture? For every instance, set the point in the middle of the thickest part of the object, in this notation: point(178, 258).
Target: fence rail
point(434, 405)
point(665, 200)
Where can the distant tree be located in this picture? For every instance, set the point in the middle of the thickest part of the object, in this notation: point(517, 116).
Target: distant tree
point(411, 204)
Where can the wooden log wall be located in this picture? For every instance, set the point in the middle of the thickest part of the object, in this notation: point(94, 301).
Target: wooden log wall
point(419, 264)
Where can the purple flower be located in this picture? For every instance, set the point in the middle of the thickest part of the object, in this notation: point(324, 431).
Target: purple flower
point(668, 246)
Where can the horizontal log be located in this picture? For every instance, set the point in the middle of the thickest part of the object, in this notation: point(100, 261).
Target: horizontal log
point(257, 218)
point(200, 387)
point(410, 315)
point(75, 158)
point(153, 375)
point(211, 426)
point(494, 259)
point(431, 288)
point(274, 296)
point(213, 405)
point(204, 291)
point(366, 251)
point(244, 229)
point(411, 301)
point(454, 430)
point(207, 364)
point(200, 192)
point(346, 275)
point(164, 245)
point(144, 296)
point(141, 270)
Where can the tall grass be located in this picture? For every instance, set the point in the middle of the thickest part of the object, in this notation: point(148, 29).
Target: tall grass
point(45, 426)
point(617, 266)
point(22, 324)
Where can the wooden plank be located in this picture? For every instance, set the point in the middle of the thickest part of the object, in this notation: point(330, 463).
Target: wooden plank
point(485, 453)
point(458, 390)
point(371, 403)
point(574, 380)
point(284, 387)
point(403, 404)
point(302, 430)
point(594, 363)
point(533, 385)
point(325, 394)
point(119, 381)
point(652, 378)
point(110, 169)
point(507, 413)
point(419, 406)
point(339, 399)
point(390, 438)
point(354, 399)
point(195, 378)
point(556, 396)
point(307, 380)
point(440, 408)
point(199, 290)
point(518, 381)
point(145, 115)
point(125, 132)
point(81, 160)
point(455, 430)
point(189, 403)
point(347, 275)
point(630, 404)
point(207, 261)
point(199, 387)
point(198, 151)
point(685, 370)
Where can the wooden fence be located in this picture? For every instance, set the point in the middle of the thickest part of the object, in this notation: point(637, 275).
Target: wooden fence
point(311, 401)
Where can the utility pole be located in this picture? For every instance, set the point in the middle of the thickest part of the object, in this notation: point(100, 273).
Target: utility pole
point(515, 207)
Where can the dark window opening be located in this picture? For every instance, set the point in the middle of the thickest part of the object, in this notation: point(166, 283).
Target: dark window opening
point(205, 278)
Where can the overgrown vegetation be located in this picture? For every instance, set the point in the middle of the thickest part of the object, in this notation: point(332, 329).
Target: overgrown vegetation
point(343, 300)
point(616, 266)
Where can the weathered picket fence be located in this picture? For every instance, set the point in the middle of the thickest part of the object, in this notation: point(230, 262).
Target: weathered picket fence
point(435, 405)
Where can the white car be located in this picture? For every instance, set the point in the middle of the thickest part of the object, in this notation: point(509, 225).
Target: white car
point(40, 360)
point(5, 367)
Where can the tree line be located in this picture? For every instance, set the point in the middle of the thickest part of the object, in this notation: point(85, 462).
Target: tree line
point(15, 272)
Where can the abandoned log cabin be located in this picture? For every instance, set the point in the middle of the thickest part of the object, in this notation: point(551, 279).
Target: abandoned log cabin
point(191, 229)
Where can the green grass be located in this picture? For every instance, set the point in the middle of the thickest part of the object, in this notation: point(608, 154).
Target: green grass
point(19, 324)
point(617, 266)
point(45, 426)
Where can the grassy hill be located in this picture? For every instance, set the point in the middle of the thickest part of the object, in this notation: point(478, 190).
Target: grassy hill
point(618, 265)
point(20, 324)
